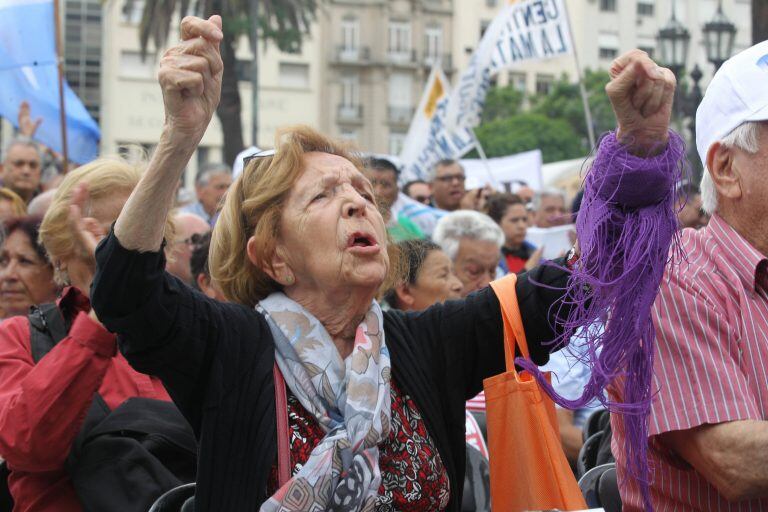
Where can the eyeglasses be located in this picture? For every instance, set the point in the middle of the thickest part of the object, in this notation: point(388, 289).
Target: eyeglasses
point(260, 154)
point(32, 164)
point(423, 199)
point(451, 177)
point(194, 240)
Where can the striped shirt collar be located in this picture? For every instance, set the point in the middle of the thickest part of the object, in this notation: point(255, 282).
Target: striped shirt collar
point(749, 264)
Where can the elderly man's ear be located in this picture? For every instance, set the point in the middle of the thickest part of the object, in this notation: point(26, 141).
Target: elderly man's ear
point(724, 174)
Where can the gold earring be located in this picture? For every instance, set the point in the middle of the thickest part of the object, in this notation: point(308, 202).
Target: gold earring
point(289, 279)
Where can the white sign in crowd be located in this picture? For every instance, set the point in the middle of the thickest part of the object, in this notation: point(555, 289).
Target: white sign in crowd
point(442, 126)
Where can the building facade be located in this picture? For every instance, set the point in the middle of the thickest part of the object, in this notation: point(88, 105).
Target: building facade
point(378, 55)
point(132, 105)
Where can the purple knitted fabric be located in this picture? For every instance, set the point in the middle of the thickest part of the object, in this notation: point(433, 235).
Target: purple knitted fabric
point(626, 226)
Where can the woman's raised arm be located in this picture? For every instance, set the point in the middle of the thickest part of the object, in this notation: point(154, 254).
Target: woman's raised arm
point(190, 78)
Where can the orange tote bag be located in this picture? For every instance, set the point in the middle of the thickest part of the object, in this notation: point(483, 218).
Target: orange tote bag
point(529, 470)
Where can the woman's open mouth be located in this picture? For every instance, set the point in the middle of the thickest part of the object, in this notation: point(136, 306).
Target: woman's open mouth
point(361, 242)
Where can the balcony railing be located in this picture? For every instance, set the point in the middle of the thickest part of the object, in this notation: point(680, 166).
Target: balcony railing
point(358, 55)
point(443, 60)
point(350, 113)
point(400, 115)
point(407, 57)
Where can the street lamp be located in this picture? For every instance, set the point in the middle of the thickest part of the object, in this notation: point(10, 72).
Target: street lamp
point(673, 40)
point(718, 37)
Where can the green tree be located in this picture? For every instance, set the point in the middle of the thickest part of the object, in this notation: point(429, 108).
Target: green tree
point(564, 102)
point(524, 132)
point(502, 102)
point(554, 122)
point(283, 22)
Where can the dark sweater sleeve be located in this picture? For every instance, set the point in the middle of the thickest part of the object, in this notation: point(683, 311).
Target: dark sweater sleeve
point(466, 338)
point(540, 295)
point(168, 330)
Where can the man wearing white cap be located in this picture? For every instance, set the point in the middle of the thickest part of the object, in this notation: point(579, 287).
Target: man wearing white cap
point(708, 428)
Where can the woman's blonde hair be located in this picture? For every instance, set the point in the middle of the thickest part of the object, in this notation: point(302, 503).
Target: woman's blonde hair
point(105, 177)
point(254, 207)
point(17, 203)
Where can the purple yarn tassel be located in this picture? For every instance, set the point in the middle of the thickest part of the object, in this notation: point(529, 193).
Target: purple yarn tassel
point(626, 226)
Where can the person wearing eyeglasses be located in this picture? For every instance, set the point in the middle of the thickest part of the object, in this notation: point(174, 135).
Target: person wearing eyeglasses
point(383, 176)
point(189, 228)
point(448, 189)
point(20, 170)
point(418, 190)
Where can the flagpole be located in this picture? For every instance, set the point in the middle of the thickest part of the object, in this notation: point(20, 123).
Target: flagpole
point(582, 89)
point(481, 152)
point(60, 67)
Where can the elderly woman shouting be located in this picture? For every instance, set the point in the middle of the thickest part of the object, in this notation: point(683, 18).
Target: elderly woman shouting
point(374, 416)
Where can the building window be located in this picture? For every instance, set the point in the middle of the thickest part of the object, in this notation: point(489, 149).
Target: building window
point(243, 70)
point(608, 5)
point(349, 107)
point(647, 49)
point(400, 98)
point(491, 3)
point(350, 35)
point(544, 84)
point(434, 45)
point(349, 135)
point(645, 8)
point(350, 90)
point(608, 53)
point(608, 45)
point(518, 81)
point(294, 75)
point(399, 39)
point(396, 142)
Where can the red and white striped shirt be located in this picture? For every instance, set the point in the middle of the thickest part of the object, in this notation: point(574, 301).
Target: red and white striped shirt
point(711, 319)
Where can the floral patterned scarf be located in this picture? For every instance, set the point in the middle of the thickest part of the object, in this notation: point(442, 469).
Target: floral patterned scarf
point(350, 398)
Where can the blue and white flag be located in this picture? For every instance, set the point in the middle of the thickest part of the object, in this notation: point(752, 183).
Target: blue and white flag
point(428, 140)
point(28, 71)
point(525, 31)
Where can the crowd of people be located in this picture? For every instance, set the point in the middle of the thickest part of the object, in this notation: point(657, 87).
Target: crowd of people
point(323, 329)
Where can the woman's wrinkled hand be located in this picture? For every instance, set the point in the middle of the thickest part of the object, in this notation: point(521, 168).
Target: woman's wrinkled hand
point(190, 78)
point(641, 94)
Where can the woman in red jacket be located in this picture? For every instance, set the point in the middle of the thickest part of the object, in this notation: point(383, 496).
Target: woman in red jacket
point(43, 404)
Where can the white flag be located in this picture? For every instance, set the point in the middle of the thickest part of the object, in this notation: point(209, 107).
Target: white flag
point(428, 140)
point(524, 31)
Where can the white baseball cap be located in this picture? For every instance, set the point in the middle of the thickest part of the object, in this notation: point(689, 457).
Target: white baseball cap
point(737, 93)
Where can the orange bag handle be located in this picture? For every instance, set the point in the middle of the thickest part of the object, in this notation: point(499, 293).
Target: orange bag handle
point(514, 333)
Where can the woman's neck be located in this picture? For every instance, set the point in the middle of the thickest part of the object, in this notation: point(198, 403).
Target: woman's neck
point(340, 313)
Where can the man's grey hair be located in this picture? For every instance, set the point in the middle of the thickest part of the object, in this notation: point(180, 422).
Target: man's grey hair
point(209, 170)
point(21, 141)
point(443, 163)
point(745, 137)
point(546, 192)
point(468, 224)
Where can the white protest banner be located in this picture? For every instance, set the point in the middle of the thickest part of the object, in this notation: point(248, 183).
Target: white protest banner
point(524, 31)
point(506, 171)
point(428, 141)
